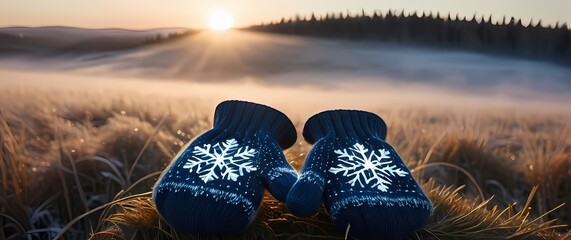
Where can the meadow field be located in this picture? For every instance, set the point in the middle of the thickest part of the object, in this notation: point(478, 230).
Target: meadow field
point(81, 147)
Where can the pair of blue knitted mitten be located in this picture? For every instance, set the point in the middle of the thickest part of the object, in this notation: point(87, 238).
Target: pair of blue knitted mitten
point(216, 183)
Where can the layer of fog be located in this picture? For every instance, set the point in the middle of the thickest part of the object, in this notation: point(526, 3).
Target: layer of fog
point(302, 71)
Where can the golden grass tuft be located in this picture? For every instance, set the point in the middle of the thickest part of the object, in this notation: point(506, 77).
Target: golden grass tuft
point(455, 217)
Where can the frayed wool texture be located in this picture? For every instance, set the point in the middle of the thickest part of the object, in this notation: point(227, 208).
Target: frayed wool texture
point(216, 183)
point(360, 178)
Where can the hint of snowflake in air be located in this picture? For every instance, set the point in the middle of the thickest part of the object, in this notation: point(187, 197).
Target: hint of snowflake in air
point(367, 169)
point(223, 160)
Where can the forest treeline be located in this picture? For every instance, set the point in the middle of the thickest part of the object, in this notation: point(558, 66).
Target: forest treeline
point(508, 36)
point(19, 43)
point(119, 44)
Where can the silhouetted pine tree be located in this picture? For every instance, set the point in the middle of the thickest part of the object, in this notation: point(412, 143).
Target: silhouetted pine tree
point(479, 34)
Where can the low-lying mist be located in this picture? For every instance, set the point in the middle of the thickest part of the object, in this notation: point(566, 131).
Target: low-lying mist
point(278, 68)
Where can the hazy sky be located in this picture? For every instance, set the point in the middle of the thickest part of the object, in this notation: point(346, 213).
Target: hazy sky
point(193, 13)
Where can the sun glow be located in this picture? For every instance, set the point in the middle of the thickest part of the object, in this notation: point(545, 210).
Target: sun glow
point(221, 20)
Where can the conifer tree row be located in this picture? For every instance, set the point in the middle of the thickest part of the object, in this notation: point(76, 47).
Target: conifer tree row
point(508, 36)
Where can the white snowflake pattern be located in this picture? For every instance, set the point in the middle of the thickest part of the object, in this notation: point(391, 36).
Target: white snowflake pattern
point(224, 160)
point(365, 169)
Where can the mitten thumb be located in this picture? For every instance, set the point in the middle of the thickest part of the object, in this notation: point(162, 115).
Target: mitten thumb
point(278, 175)
point(305, 197)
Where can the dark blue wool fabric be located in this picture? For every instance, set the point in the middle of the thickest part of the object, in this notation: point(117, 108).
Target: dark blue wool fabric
point(215, 184)
point(361, 178)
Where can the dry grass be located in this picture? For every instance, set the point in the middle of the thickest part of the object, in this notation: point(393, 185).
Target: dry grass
point(84, 169)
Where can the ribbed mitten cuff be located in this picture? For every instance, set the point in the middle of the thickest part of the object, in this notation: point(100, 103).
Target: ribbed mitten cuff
point(344, 123)
point(241, 116)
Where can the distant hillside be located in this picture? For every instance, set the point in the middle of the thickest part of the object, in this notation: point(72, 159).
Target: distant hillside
point(511, 38)
point(65, 40)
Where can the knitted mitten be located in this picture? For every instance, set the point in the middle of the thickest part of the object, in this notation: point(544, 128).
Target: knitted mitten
point(362, 178)
point(216, 183)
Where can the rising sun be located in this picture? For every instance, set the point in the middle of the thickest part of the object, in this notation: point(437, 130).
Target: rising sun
point(221, 20)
